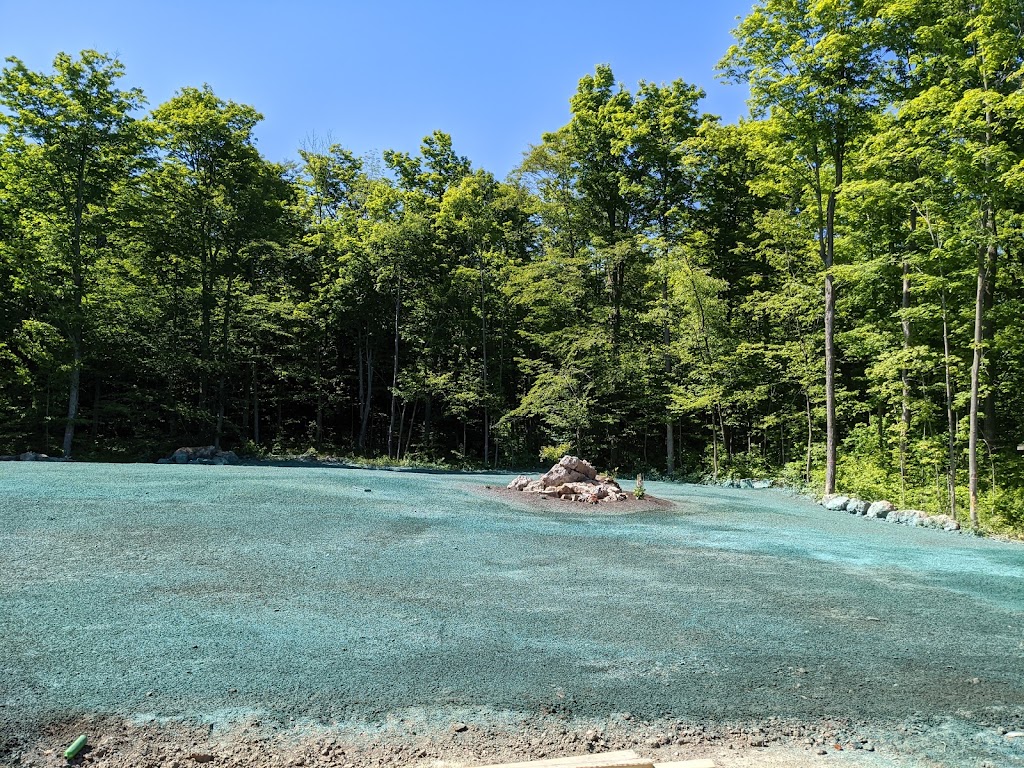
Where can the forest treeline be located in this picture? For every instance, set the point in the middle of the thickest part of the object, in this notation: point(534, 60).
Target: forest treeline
point(829, 291)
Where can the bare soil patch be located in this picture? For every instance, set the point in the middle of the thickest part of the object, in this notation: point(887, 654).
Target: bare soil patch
point(538, 501)
point(120, 744)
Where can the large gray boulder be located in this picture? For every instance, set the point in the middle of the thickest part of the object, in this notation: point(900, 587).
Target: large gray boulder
point(907, 517)
point(560, 475)
point(880, 509)
point(581, 466)
point(857, 507)
point(836, 503)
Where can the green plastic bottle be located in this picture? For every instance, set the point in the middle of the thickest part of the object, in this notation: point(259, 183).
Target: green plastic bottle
point(76, 747)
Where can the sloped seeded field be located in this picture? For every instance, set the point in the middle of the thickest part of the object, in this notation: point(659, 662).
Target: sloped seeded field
point(327, 596)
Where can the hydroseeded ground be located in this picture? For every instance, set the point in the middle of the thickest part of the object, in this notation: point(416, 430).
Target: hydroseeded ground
point(330, 596)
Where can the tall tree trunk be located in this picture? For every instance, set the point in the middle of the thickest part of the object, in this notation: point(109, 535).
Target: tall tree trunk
point(401, 429)
point(989, 424)
point(830, 325)
point(412, 425)
point(96, 410)
point(483, 343)
point(905, 376)
point(666, 332)
point(78, 278)
point(366, 371)
point(225, 345)
point(976, 362)
point(950, 412)
point(428, 423)
point(319, 392)
point(73, 393)
point(810, 438)
point(394, 376)
point(255, 407)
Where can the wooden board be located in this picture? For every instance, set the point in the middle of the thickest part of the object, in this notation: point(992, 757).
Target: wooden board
point(626, 758)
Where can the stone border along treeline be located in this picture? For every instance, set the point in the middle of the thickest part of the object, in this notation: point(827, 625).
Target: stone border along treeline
point(32, 456)
point(878, 510)
point(207, 454)
point(886, 510)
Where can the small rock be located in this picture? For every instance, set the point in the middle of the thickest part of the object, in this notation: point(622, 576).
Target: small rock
point(201, 757)
point(836, 503)
point(1015, 735)
point(459, 727)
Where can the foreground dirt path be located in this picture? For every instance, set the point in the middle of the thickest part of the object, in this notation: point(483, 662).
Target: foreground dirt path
point(120, 744)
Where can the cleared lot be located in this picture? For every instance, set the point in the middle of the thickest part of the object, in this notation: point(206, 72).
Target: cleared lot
point(334, 596)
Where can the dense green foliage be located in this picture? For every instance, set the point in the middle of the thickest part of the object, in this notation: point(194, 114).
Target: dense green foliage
point(828, 291)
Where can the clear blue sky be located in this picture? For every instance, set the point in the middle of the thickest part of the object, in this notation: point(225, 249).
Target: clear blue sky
point(381, 75)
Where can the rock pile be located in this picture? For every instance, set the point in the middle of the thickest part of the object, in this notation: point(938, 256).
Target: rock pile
point(31, 456)
point(205, 455)
point(572, 479)
point(886, 510)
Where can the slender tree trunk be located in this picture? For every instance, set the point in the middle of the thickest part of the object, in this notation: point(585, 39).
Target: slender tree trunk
point(46, 412)
point(826, 249)
point(96, 411)
point(412, 426)
point(73, 393)
point(483, 343)
point(905, 376)
point(950, 412)
point(428, 423)
point(255, 407)
point(810, 438)
point(670, 448)
point(401, 429)
point(394, 376)
point(976, 362)
point(990, 364)
point(220, 411)
point(225, 345)
point(78, 277)
point(319, 393)
point(830, 346)
point(360, 362)
point(365, 391)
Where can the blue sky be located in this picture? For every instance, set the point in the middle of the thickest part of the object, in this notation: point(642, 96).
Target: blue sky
point(374, 76)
